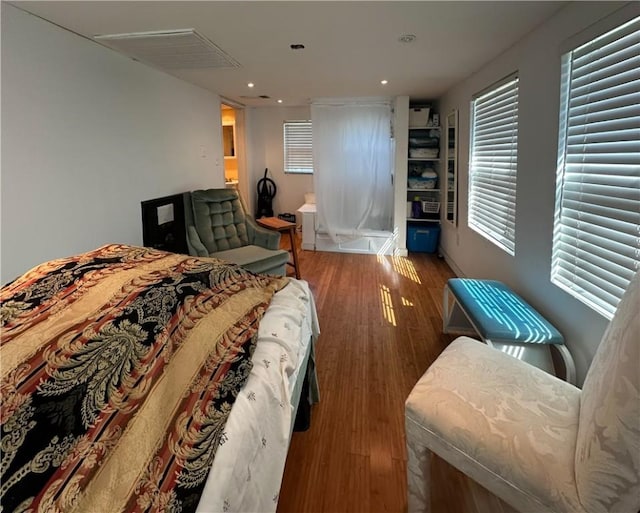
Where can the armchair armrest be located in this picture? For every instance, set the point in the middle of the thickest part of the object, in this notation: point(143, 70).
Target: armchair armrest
point(263, 237)
point(196, 248)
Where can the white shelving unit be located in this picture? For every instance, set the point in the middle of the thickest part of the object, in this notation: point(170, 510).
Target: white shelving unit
point(424, 179)
point(419, 164)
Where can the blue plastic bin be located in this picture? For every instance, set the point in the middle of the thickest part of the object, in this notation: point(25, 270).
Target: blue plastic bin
point(423, 238)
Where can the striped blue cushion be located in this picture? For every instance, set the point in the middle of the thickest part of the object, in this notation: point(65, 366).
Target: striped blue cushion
point(500, 314)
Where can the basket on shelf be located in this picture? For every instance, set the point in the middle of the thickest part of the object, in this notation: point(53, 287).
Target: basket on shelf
point(430, 207)
point(419, 116)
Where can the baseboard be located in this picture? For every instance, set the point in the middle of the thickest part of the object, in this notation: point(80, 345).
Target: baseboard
point(451, 263)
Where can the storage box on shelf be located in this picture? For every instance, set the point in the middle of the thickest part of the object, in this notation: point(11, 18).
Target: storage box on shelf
point(423, 238)
point(419, 115)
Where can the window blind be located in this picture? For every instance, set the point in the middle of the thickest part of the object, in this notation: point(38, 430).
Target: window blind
point(493, 164)
point(596, 245)
point(298, 154)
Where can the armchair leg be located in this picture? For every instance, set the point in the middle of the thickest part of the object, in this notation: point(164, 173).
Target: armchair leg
point(418, 471)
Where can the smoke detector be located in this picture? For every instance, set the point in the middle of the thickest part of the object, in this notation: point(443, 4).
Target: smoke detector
point(407, 38)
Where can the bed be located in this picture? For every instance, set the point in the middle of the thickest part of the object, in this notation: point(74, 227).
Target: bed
point(134, 379)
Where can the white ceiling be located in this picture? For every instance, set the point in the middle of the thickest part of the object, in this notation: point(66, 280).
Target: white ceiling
point(349, 46)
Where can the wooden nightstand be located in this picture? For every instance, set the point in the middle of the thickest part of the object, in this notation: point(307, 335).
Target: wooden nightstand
point(280, 225)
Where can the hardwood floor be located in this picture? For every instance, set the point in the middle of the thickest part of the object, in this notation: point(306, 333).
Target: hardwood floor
point(381, 327)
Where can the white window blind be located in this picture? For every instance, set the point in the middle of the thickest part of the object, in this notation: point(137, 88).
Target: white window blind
point(493, 164)
point(298, 154)
point(596, 245)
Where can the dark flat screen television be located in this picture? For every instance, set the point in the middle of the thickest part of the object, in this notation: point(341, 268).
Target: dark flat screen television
point(163, 224)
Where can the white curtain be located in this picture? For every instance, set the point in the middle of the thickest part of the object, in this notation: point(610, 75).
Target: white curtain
point(353, 162)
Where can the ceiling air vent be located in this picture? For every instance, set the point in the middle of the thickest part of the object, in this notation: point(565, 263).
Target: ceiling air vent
point(262, 96)
point(171, 49)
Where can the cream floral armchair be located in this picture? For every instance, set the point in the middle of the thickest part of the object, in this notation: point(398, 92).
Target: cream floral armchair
point(538, 443)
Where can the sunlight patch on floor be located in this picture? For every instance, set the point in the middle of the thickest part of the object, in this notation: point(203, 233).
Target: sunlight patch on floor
point(401, 265)
point(387, 305)
point(406, 302)
point(382, 260)
point(405, 267)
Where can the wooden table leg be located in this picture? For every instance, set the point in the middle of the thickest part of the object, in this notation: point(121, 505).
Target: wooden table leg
point(294, 250)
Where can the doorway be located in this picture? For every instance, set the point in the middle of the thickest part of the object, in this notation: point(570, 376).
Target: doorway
point(228, 117)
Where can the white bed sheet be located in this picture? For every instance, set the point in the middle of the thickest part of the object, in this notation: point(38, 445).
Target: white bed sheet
point(248, 467)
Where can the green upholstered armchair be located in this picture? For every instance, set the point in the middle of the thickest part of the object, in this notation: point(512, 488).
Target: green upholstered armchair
point(218, 226)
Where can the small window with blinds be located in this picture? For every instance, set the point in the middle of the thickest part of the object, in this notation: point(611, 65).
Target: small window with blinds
point(493, 163)
point(298, 154)
point(596, 243)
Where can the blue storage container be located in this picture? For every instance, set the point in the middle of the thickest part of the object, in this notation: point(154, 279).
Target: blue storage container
point(423, 238)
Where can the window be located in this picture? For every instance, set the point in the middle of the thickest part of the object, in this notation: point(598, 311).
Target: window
point(596, 244)
point(493, 164)
point(298, 155)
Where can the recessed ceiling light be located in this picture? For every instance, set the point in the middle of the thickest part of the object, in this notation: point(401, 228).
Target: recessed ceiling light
point(407, 38)
point(279, 101)
point(250, 84)
point(384, 82)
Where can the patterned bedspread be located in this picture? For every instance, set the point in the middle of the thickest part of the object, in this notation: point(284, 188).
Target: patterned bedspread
point(118, 370)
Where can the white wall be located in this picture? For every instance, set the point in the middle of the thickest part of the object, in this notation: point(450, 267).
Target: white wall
point(537, 60)
point(265, 143)
point(87, 134)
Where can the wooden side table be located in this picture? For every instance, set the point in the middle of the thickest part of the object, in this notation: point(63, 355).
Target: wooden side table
point(280, 225)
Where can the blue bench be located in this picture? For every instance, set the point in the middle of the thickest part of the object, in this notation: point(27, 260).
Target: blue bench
point(505, 321)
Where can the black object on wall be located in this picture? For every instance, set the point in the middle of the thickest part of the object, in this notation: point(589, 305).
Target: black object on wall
point(163, 224)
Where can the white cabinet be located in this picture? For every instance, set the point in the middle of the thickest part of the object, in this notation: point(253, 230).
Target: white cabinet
point(308, 215)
